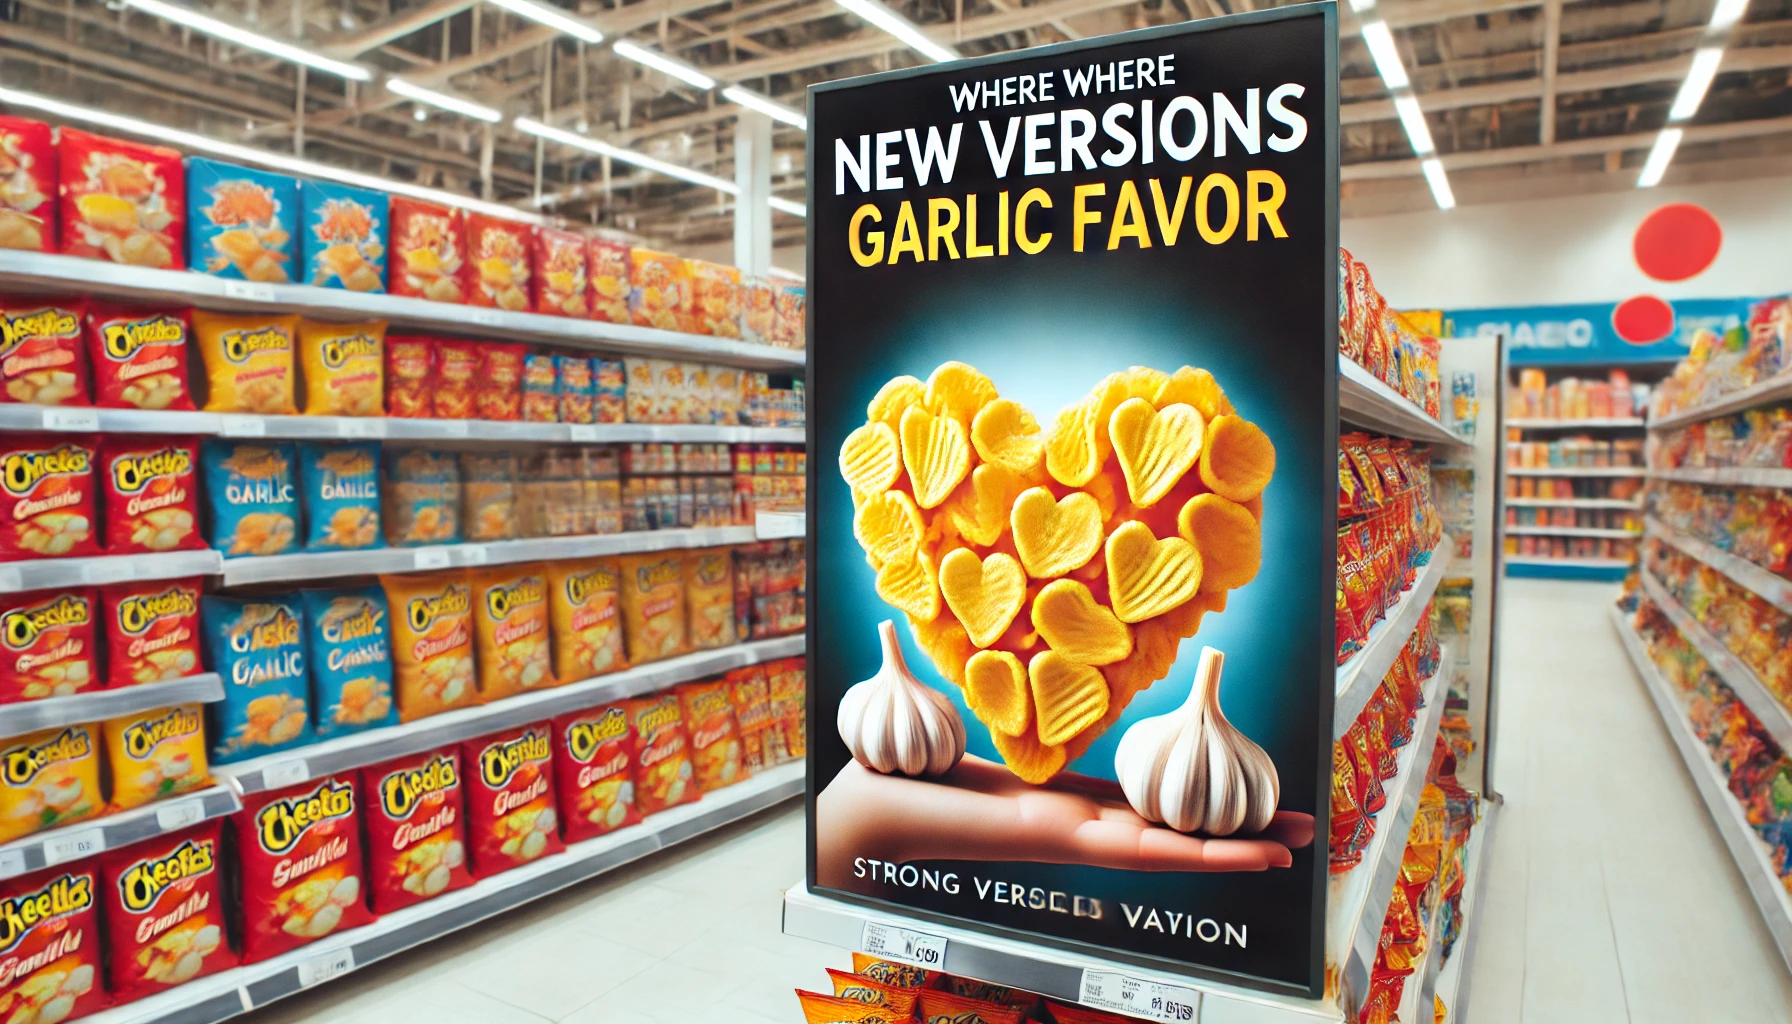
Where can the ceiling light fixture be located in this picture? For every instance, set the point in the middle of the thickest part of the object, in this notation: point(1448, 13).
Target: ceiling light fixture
point(530, 126)
point(245, 38)
point(1727, 13)
point(789, 206)
point(1440, 184)
point(1413, 120)
point(1380, 41)
point(552, 17)
point(1698, 81)
point(412, 91)
point(769, 107)
point(895, 24)
point(660, 62)
point(1660, 155)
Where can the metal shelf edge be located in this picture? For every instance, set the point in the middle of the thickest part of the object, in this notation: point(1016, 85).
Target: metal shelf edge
point(1365, 400)
point(1358, 677)
point(99, 705)
point(1775, 717)
point(1758, 393)
point(98, 570)
point(1769, 586)
point(111, 831)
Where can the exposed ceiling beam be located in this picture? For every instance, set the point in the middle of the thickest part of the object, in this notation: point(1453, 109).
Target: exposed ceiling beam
point(1552, 48)
point(396, 27)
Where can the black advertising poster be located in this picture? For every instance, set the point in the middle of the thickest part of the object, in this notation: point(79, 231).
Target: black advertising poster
point(1072, 399)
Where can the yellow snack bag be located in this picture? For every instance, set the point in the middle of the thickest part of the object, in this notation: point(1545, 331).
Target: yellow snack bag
point(432, 642)
point(510, 615)
point(52, 778)
point(248, 361)
point(156, 754)
point(345, 368)
point(653, 605)
point(709, 596)
point(584, 602)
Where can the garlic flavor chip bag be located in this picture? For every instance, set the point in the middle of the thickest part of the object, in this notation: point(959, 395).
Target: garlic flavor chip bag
point(254, 503)
point(715, 735)
point(511, 818)
point(28, 190)
point(258, 645)
point(51, 779)
point(151, 486)
point(138, 358)
point(53, 946)
point(241, 223)
point(429, 250)
point(350, 659)
point(122, 201)
point(432, 642)
point(248, 361)
point(343, 237)
point(342, 495)
point(47, 496)
point(156, 754)
point(584, 602)
point(299, 865)
point(501, 252)
point(152, 631)
point(41, 357)
point(709, 597)
point(416, 845)
point(47, 641)
point(510, 615)
point(345, 367)
point(663, 773)
point(164, 901)
point(422, 498)
point(594, 759)
point(653, 605)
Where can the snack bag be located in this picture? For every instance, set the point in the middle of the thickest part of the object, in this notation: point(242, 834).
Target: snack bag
point(432, 642)
point(138, 358)
point(560, 276)
point(28, 188)
point(488, 484)
point(583, 599)
point(822, 1009)
point(47, 641)
point(576, 389)
point(350, 633)
point(41, 358)
point(343, 244)
point(642, 391)
point(594, 758)
point(152, 631)
point(121, 201)
point(410, 368)
point(422, 499)
point(786, 691)
point(53, 937)
point(653, 605)
point(254, 502)
point(248, 361)
point(345, 367)
point(498, 390)
point(299, 866)
point(151, 486)
point(164, 901)
point(243, 222)
point(861, 989)
point(936, 1006)
point(258, 646)
point(671, 398)
point(541, 399)
point(709, 597)
point(895, 974)
point(511, 620)
point(660, 295)
point(698, 401)
point(46, 496)
point(501, 251)
point(429, 250)
point(715, 736)
point(52, 779)
point(511, 819)
point(416, 845)
point(757, 310)
point(608, 264)
point(663, 773)
point(762, 737)
point(788, 326)
point(457, 370)
point(724, 389)
point(715, 308)
point(156, 754)
point(341, 483)
point(611, 379)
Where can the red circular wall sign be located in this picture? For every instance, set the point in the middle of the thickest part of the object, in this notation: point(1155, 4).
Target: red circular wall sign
point(1643, 320)
point(1677, 241)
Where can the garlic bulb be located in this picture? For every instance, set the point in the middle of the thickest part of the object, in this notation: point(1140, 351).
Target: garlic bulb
point(1192, 770)
point(894, 723)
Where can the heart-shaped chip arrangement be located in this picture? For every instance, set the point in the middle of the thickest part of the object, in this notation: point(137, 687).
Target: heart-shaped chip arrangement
point(1052, 573)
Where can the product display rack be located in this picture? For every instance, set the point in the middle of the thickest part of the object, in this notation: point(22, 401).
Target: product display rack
point(1774, 389)
point(1573, 503)
point(84, 839)
point(1771, 587)
point(1588, 471)
point(1570, 531)
point(1775, 717)
point(1359, 677)
point(1587, 423)
point(1733, 476)
point(102, 569)
point(99, 705)
point(1451, 982)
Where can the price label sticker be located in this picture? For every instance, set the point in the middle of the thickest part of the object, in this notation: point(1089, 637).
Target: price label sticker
point(12, 862)
point(431, 558)
point(73, 845)
point(485, 317)
point(285, 773)
point(348, 426)
point(327, 967)
point(919, 948)
point(175, 816)
point(1148, 999)
point(249, 291)
point(232, 425)
point(453, 428)
point(584, 432)
point(71, 419)
point(10, 580)
point(105, 570)
point(474, 554)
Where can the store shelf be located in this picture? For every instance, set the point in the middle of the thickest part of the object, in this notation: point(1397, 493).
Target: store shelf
point(1590, 423)
point(30, 272)
point(1746, 849)
point(96, 835)
point(1571, 531)
point(1579, 563)
point(1365, 401)
point(1774, 716)
point(780, 525)
point(1548, 568)
point(1772, 587)
point(1358, 678)
point(1616, 503)
point(1451, 982)
point(1772, 389)
point(99, 705)
point(1733, 476)
point(86, 572)
point(289, 768)
point(1608, 471)
point(234, 992)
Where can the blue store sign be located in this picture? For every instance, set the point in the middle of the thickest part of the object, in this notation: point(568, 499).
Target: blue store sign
point(1565, 335)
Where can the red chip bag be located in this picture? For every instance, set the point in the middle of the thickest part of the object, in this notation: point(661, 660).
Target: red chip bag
point(499, 256)
point(46, 496)
point(560, 279)
point(27, 200)
point(164, 901)
point(122, 201)
point(151, 486)
point(152, 631)
point(594, 756)
point(299, 864)
point(429, 250)
point(47, 640)
point(457, 367)
point(138, 358)
point(511, 819)
point(50, 969)
point(416, 844)
point(410, 369)
point(41, 361)
point(498, 389)
point(940, 1007)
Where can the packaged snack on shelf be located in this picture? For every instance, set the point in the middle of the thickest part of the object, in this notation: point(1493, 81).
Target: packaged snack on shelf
point(156, 754)
point(715, 295)
point(432, 642)
point(857, 987)
point(789, 328)
point(594, 756)
point(499, 255)
point(663, 774)
point(641, 397)
point(242, 223)
point(429, 250)
point(488, 487)
point(653, 605)
point(709, 597)
point(510, 615)
point(724, 390)
point(47, 644)
point(511, 817)
point(894, 974)
point(699, 400)
point(341, 486)
point(561, 280)
point(254, 500)
point(138, 358)
point(584, 602)
point(609, 265)
point(715, 735)
point(121, 201)
point(758, 309)
point(422, 498)
point(416, 838)
point(248, 361)
point(824, 1009)
point(350, 634)
point(456, 376)
point(659, 294)
point(541, 397)
point(410, 374)
point(785, 684)
point(151, 630)
point(345, 367)
point(576, 390)
point(53, 779)
point(48, 485)
point(42, 360)
point(299, 865)
point(761, 737)
point(28, 190)
point(258, 646)
point(151, 487)
point(611, 379)
point(938, 1004)
point(164, 901)
point(498, 390)
point(672, 391)
point(343, 237)
point(54, 941)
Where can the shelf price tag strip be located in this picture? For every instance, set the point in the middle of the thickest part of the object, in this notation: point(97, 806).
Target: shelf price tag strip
point(1148, 999)
point(910, 947)
point(327, 967)
point(73, 846)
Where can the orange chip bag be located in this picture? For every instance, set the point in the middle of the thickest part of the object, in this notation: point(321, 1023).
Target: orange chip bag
point(41, 358)
point(152, 493)
point(663, 774)
point(511, 818)
point(653, 605)
point(410, 366)
point(859, 988)
point(46, 496)
point(895, 973)
point(429, 250)
point(156, 754)
point(510, 616)
point(52, 778)
point(500, 253)
point(940, 1007)
point(709, 597)
point(248, 361)
point(715, 736)
point(432, 642)
point(457, 371)
point(299, 864)
point(139, 358)
point(53, 943)
point(594, 758)
point(560, 276)
point(1083, 1015)
point(47, 641)
point(345, 367)
point(584, 601)
point(820, 1009)
point(415, 836)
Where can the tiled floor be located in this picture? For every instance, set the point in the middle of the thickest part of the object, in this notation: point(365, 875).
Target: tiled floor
point(1610, 898)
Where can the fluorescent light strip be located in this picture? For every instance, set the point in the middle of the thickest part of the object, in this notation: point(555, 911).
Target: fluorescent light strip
point(1413, 120)
point(771, 108)
point(291, 165)
point(627, 156)
point(1387, 59)
point(1698, 81)
point(1727, 13)
point(661, 62)
point(243, 37)
point(789, 206)
point(895, 24)
point(552, 17)
point(411, 91)
point(1440, 185)
point(1359, 6)
point(788, 275)
point(1660, 155)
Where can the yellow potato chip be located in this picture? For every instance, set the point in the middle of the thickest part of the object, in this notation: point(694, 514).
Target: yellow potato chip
point(996, 688)
point(1071, 621)
point(1005, 432)
point(870, 459)
point(985, 594)
point(936, 453)
point(1072, 453)
point(1146, 576)
point(887, 526)
point(909, 584)
point(946, 644)
point(978, 510)
point(1154, 447)
point(1238, 459)
point(345, 368)
point(1190, 386)
point(248, 361)
point(958, 391)
point(1228, 538)
point(1029, 759)
point(1067, 696)
point(1055, 537)
point(894, 399)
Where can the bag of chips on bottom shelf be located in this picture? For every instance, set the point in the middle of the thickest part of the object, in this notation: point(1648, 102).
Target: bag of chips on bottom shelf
point(594, 759)
point(896, 974)
point(823, 1009)
point(299, 864)
point(663, 772)
point(164, 901)
point(53, 944)
point(416, 836)
point(511, 817)
point(936, 1006)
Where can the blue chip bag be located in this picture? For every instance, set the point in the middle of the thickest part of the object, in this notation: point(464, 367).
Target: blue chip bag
point(343, 240)
point(258, 646)
point(342, 495)
point(351, 660)
point(241, 223)
point(254, 504)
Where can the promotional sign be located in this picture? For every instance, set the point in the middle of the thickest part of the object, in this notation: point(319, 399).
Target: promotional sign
point(1073, 392)
point(1585, 334)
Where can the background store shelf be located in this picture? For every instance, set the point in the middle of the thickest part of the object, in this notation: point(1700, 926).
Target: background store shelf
point(1735, 476)
point(1772, 587)
point(86, 572)
point(1590, 423)
point(1617, 503)
point(99, 705)
point(1571, 531)
point(1546, 567)
point(1365, 401)
point(1451, 982)
point(1636, 471)
point(780, 525)
point(1772, 389)
point(1358, 678)
point(1774, 716)
point(86, 838)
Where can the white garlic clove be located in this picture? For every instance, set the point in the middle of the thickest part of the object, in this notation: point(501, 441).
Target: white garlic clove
point(1194, 771)
point(893, 722)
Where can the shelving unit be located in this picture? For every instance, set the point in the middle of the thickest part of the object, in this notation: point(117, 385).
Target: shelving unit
point(103, 569)
point(109, 832)
point(1587, 471)
point(1367, 402)
point(99, 705)
point(1359, 677)
point(1775, 717)
point(1770, 586)
point(1574, 503)
point(1774, 389)
point(1451, 981)
point(1591, 423)
point(1732, 476)
point(1571, 531)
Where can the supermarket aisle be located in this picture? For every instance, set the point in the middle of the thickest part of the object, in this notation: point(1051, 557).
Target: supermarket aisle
point(1611, 896)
